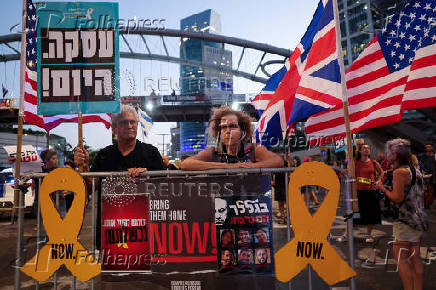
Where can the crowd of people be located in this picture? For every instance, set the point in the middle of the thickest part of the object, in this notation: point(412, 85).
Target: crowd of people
point(396, 177)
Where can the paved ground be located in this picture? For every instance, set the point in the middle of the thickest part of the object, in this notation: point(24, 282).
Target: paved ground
point(374, 270)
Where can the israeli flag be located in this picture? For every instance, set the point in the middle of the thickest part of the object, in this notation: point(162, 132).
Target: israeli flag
point(145, 121)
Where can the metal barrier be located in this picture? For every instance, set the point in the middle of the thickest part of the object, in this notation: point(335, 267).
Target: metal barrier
point(166, 173)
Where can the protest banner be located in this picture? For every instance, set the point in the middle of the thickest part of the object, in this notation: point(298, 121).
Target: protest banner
point(124, 223)
point(184, 235)
point(78, 58)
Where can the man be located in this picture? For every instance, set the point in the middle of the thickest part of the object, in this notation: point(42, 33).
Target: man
point(428, 161)
point(128, 154)
point(244, 257)
point(227, 258)
point(244, 237)
point(220, 211)
point(261, 256)
point(428, 166)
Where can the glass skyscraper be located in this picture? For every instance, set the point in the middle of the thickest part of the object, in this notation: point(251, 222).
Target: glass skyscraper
point(215, 86)
point(360, 20)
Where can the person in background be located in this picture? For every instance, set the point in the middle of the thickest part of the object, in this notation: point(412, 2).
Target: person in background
point(232, 130)
point(295, 162)
point(167, 164)
point(368, 173)
point(385, 166)
point(337, 171)
point(408, 192)
point(50, 159)
point(309, 191)
point(69, 196)
point(427, 163)
point(279, 185)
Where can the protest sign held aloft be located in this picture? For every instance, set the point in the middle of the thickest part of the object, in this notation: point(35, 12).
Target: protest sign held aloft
point(78, 66)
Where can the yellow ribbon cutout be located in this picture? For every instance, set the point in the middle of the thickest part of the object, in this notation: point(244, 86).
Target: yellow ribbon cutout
point(62, 246)
point(309, 246)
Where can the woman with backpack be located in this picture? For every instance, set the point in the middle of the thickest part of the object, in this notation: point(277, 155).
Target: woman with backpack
point(411, 221)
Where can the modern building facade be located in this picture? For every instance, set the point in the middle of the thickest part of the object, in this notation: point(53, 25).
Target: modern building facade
point(360, 20)
point(215, 87)
point(175, 142)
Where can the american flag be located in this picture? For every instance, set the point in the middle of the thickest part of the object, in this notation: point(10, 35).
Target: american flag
point(30, 89)
point(308, 83)
point(395, 72)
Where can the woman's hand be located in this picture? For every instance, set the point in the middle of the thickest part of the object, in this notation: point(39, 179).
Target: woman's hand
point(134, 172)
point(241, 165)
point(379, 185)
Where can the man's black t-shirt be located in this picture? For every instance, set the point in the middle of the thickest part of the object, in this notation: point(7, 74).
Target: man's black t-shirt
point(143, 156)
point(110, 159)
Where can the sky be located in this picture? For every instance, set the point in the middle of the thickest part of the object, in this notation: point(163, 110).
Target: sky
point(279, 23)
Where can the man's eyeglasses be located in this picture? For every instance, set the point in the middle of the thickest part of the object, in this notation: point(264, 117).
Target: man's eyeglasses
point(125, 123)
point(229, 126)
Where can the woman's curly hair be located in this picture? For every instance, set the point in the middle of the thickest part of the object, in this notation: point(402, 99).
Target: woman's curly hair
point(244, 122)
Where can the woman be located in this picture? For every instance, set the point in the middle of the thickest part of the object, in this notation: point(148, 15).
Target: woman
point(368, 173)
point(408, 192)
point(227, 239)
point(233, 131)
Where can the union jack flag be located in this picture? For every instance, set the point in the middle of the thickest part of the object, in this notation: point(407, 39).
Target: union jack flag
point(308, 83)
point(395, 72)
point(30, 100)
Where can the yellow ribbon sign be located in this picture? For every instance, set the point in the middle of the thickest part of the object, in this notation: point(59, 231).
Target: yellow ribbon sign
point(62, 246)
point(309, 246)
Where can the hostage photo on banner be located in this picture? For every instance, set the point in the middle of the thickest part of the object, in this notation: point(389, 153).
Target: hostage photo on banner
point(244, 228)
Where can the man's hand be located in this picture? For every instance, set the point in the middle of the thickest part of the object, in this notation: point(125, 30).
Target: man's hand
point(134, 172)
point(81, 157)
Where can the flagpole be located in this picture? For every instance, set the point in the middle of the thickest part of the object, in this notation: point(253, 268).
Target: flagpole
point(18, 196)
point(79, 128)
point(351, 169)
